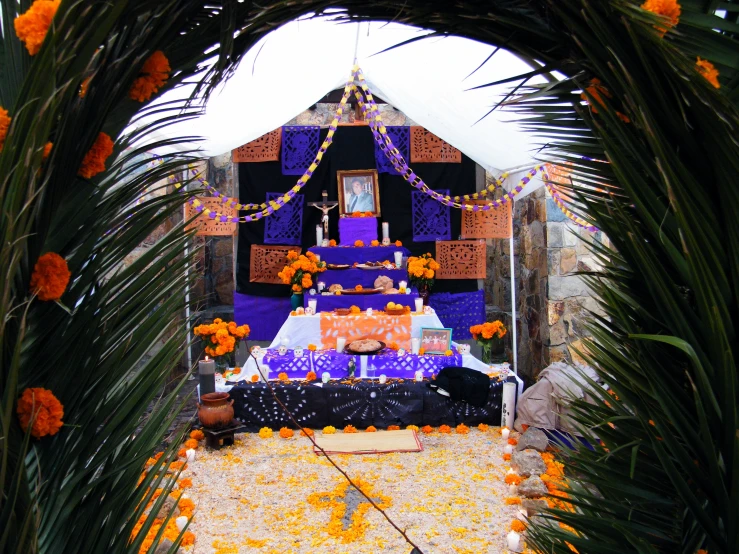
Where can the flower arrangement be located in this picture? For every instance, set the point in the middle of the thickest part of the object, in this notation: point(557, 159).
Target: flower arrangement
point(487, 334)
point(31, 27)
point(41, 410)
point(221, 338)
point(301, 270)
point(50, 277)
point(422, 270)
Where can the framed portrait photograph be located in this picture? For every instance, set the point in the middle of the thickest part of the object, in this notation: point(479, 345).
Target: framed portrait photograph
point(436, 341)
point(358, 191)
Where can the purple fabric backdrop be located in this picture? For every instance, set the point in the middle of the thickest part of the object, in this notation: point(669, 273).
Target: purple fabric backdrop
point(351, 254)
point(264, 315)
point(349, 278)
point(352, 229)
point(401, 140)
point(430, 218)
point(364, 301)
point(285, 226)
point(299, 147)
point(459, 311)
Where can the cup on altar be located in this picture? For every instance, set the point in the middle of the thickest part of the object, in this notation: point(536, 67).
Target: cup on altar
point(369, 311)
point(298, 351)
point(415, 345)
point(419, 305)
point(313, 305)
point(325, 377)
point(340, 344)
point(321, 286)
point(403, 285)
point(398, 258)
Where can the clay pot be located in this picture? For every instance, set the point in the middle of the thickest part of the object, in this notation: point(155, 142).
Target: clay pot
point(216, 410)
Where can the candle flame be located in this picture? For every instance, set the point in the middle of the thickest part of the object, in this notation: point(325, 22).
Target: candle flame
point(206, 358)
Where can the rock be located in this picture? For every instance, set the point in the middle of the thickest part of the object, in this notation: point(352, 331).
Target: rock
point(528, 462)
point(533, 438)
point(533, 487)
point(166, 508)
point(164, 547)
point(568, 260)
point(533, 506)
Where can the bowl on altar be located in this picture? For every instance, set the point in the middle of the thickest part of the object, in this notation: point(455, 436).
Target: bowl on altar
point(395, 311)
point(342, 311)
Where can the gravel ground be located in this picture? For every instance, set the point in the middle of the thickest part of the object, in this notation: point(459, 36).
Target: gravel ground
point(256, 497)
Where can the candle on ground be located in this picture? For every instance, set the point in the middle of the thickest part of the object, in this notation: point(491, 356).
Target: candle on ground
point(506, 433)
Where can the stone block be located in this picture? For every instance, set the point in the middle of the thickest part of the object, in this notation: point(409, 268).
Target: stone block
point(558, 353)
point(558, 333)
point(573, 349)
point(533, 487)
point(533, 506)
point(553, 211)
point(568, 260)
point(571, 235)
point(566, 286)
point(555, 238)
point(528, 462)
point(553, 260)
point(533, 438)
point(555, 309)
point(223, 247)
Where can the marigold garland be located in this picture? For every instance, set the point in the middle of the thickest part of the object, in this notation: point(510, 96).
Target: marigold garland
point(94, 161)
point(4, 126)
point(191, 444)
point(301, 270)
point(393, 428)
point(311, 376)
point(445, 429)
point(31, 27)
point(154, 74)
point(518, 526)
point(265, 433)
point(41, 406)
point(427, 429)
point(197, 434)
point(185, 483)
point(350, 429)
point(329, 430)
point(708, 71)
point(50, 277)
point(462, 429)
point(371, 429)
point(483, 427)
point(282, 376)
point(286, 433)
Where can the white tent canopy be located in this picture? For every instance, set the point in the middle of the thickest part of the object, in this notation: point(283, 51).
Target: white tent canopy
point(294, 66)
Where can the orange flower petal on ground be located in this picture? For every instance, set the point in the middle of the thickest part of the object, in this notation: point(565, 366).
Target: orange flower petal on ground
point(152, 77)
point(50, 277)
point(43, 408)
point(709, 72)
point(94, 161)
point(32, 26)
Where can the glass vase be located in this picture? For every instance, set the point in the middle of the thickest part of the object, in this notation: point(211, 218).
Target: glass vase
point(487, 353)
point(296, 301)
point(423, 293)
point(221, 364)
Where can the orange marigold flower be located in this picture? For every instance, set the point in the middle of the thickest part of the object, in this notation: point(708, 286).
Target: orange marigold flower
point(286, 433)
point(445, 429)
point(462, 429)
point(358, 287)
point(332, 242)
point(191, 443)
point(483, 427)
point(254, 378)
point(312, 347)
point(4, 126)
point(576, 551)
point(152, 77)
point(47, 150)
point(197, 434)
point(375, 243)
point(511, 500)
point(371, 429)
point(518, 526)
point(50, 277)
point(708, 71)
point(311, 376)
point(32, 26)
point(512, 441)
point(94, 161)
point(448, 353)
point(507, 457)
point(421, 351)
point(182, 453)
point(350, 429)
point(669, 9)
point(393, 428)
point(282, 376)
point(43, 408)
point(83, 87)
point(368, 214)
point(188, 538)
point(427, 429)
point(265, 433)
point(398, 243)
point(358, 243)
point(185, 483)
point(305, 432)
point(513, 479)
point(329, 430)
point(412, 427)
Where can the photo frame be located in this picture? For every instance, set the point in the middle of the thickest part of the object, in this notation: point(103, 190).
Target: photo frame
point(358, 191)
point(436, 340)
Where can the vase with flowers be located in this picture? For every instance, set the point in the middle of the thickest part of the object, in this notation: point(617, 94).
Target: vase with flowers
point(422, 272)
point(300, 273)
point(489, 336)
point(221, 339)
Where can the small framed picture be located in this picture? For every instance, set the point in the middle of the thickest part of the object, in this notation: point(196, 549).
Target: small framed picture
point(436, 341)
point(358, 192)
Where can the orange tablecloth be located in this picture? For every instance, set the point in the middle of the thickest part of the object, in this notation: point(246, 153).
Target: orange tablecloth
point(384, 327)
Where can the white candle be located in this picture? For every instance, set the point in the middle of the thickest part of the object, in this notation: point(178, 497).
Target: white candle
point(190, 455)
point(419, 305)
point(512, 490)
point(508, 449)
point(319, 235)
point(207, 366)
point(321, 286)
point(385, 230)
point(506, 433)
point(510, 471)
point(415, 345)
point(325, 377)
point(340, 344)
point(313, 304)
point(403, 284)
point(181, 522)
point(398, 258)
point(513, 539)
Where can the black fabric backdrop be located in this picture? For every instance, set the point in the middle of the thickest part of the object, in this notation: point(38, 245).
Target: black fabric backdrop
point(352, 148)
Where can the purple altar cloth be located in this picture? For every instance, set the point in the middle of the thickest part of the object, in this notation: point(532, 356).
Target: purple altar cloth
point(349, 278)
point(351, 254)
point(387, 362)
point(357, 228)
point(363, 301)
point(459, 311)
point(264, 315)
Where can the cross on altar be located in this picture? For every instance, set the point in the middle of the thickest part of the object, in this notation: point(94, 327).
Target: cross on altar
point(325, 206)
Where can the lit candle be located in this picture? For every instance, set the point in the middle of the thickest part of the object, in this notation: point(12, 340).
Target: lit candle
point(514, 540)
point(419, 305)
point(319, 235)
point(190, 455)
point(385, 230)
point(321, 286)
point(508, 449)
point(403, 284)
point(512, 490)
point(181, 522)
point(207, 371)
point(506, 433)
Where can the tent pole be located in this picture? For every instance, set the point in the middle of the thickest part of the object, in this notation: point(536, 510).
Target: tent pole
point(513, 296)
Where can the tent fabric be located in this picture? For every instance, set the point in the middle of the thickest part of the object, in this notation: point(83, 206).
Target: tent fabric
point(294, 66)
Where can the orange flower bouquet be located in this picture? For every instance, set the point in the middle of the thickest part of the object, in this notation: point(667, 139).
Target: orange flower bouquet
point(422, 272)
point(488, 335)
point(300, 272)
point(221, 339)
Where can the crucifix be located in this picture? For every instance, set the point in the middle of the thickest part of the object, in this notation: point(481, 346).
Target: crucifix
point(325, 206)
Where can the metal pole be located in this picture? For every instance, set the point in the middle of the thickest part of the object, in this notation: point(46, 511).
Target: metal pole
point(513, 297)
